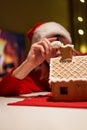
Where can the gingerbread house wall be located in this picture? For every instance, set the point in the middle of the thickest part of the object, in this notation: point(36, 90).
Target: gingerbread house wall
point(69, 91)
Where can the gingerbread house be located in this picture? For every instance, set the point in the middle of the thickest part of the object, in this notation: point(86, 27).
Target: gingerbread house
point(68, 76)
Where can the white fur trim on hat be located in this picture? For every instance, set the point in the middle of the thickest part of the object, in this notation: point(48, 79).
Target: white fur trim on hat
point(50, 29)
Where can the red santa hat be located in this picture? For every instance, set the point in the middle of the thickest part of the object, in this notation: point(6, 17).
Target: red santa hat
point(48, 29)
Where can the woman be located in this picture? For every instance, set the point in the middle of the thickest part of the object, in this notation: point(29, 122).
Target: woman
point(32, 75)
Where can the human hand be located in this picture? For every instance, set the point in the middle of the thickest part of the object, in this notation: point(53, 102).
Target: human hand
point(40, 51)
point(55, 51)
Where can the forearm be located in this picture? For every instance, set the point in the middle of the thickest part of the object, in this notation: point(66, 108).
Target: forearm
point(23, 70)
point(36, 56)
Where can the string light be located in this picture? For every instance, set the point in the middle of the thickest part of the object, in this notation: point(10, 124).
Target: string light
point(82, 1)
point(80, 19)
point(81, 32)
point(80, 24)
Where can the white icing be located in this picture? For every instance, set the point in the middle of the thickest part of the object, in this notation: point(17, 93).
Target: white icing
point(78, 69)
point(56, 44)
point(68, 45)
point(66, 80)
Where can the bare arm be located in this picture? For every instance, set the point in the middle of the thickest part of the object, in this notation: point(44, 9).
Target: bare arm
point(36, 56)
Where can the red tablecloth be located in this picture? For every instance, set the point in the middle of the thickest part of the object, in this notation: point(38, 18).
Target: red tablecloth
point(46, 101)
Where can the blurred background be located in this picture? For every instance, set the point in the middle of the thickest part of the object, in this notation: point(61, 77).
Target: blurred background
point(18, 16)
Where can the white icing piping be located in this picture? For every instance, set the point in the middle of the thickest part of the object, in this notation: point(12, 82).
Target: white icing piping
point(52, 79)
point(66, 80)
point(58, 44)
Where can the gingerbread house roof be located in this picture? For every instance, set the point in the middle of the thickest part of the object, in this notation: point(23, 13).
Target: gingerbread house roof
point(66, 71)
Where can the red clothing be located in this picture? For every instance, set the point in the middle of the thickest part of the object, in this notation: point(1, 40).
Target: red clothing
point(11, 86)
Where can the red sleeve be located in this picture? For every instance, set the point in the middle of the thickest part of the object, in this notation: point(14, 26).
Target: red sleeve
point(11, 86)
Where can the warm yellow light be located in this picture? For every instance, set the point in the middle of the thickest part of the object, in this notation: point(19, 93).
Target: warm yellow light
point(80, 19)
point(8, 59)
point(83, 1)
point(83, 48)
point(80, 32)
point(2, 45)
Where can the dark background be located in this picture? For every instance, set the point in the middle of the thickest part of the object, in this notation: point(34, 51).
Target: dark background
point(21, 15)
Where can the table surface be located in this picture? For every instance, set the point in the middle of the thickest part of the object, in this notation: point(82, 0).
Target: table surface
point(40, 118)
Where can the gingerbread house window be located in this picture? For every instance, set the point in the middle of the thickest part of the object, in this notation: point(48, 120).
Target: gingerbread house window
point(63, 90)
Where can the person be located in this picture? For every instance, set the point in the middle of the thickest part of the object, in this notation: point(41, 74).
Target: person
point(33, 73)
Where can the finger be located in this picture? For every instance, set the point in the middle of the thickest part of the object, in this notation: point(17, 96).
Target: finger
point(40, 49)
point(76, 52)
point(46, 45)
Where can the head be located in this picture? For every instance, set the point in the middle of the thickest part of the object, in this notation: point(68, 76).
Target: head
point(48, 30)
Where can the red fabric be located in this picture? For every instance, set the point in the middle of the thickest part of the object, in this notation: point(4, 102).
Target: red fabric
point(46, 101)
point(10, 86)
point(31, 31)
